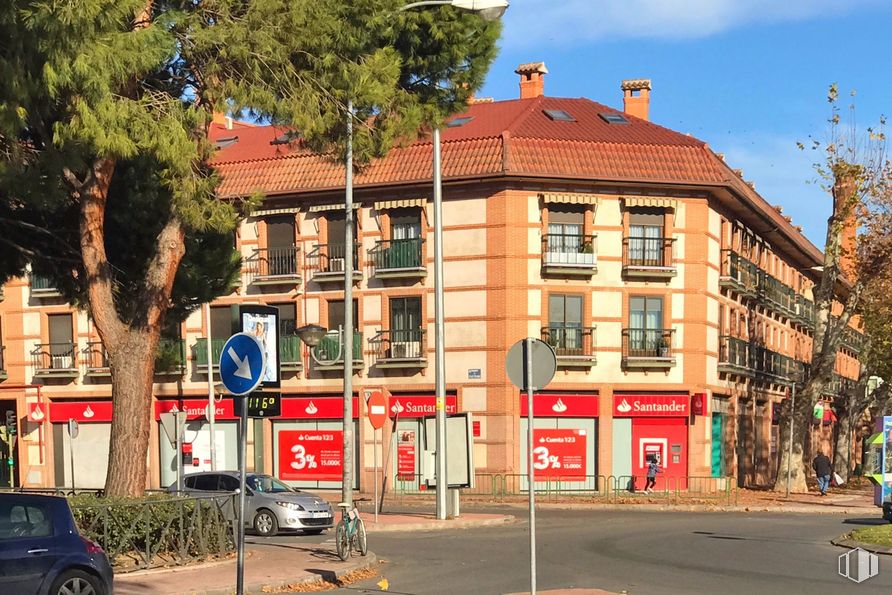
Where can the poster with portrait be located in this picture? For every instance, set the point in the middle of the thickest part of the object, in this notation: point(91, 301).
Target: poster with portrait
point(263, 322)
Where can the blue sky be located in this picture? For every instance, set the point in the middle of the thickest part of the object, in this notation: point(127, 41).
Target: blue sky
point(749, 77)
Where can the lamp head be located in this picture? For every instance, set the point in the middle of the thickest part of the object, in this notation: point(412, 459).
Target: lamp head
point(489, 10)
point(311, 334)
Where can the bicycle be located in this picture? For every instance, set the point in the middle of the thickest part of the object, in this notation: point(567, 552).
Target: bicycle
point(350, 533)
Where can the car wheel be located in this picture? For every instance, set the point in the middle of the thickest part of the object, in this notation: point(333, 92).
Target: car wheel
point(266, 524)
point(314, 531)
point(76, 582)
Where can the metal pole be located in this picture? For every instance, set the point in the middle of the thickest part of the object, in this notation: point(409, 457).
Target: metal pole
point(242, 456)
point(347, 336)
point(790, 445)
point(71, 448)
point(375, 456)
point(179, 454)
point(212, 410)
point(531, 480)
point(439, 331)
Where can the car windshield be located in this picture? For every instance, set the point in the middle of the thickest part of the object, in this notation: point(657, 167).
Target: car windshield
point(267, 484)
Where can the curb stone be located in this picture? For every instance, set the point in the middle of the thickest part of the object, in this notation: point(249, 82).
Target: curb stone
point(361, 563)
point(445, 525)
point(870, 547)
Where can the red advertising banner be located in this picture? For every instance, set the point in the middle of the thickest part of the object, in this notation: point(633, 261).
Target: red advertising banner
point(311, 455)
point(651, 405)
point(405, 455)
point(196, 408)
point(559, 454)
point(316, 407)
point(419, 405)
point(62, 411)
point(550, 405)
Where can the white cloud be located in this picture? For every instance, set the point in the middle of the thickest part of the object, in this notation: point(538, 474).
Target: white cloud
point(784, 176)
point(530, 22)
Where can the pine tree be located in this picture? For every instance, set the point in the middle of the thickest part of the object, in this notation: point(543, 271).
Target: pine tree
point(105, 181)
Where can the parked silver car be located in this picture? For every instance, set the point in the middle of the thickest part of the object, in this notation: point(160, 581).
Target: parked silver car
point(270, 505)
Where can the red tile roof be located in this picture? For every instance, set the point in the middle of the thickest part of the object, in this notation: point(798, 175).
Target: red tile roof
point(514, 138)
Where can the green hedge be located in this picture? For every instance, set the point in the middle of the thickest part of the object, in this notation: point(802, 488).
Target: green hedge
point(157, 530)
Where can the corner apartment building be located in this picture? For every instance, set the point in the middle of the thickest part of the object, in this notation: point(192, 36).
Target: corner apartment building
point(678, 302)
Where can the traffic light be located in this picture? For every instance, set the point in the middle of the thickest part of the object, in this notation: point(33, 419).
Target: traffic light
point(11, 423)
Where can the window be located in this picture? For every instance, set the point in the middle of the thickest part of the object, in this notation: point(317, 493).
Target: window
point(221, 321)
point(459, 122)
point(336, 314)
point(228, 483)
point(287, 319)
point(19, 520)
point(280, 232)
point(206, 482)
point(613, 118)
point(559, 115)
point(646, 334)
point(61, 346)
point(565, 321)
point(405, 327)
point(565, 228)
point(405, 225)
point(646, 237)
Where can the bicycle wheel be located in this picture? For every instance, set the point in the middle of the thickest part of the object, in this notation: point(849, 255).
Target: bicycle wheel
point(342, 541)
point(361, 543)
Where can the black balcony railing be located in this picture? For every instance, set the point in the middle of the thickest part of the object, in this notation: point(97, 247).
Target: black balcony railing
point(655, 344)
point(740, 356)
point(805, 311)
point(397, 255)
point(289, 350)
point(329, 259)
point(394, 346)
point(569, 250)
point(781, 296)
point(170, 356)
point(850, 338)
point(41, 285)
point(200, 353)
point(648, 253)
point(95, 358)
point(48, 358)
point(269, 264)
point(570, 341)
point(739, 273)
point(2, 361)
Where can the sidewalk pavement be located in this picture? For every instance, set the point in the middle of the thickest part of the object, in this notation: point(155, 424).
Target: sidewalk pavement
point(275, 566)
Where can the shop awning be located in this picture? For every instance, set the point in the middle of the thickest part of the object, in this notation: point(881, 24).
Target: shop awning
point(659, 202)
point(572, 198)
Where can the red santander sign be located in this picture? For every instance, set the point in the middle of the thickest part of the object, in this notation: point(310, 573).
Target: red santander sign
point(311, 455)
point(651, 405)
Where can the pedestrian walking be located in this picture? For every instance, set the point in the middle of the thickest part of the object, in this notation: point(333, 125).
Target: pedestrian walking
point(823, 469)
point(653, 467)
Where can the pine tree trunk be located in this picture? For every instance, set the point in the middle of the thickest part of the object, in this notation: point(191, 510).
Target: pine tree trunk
point(132, 367)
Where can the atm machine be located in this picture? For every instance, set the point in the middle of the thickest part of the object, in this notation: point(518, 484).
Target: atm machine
point(879, 465)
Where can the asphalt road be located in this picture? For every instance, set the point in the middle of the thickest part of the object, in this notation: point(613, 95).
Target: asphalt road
point(628, 551)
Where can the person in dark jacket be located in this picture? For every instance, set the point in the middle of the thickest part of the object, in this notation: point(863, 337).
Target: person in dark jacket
point(823, 469)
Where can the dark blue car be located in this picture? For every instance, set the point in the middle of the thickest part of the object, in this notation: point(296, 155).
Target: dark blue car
point(41, 551)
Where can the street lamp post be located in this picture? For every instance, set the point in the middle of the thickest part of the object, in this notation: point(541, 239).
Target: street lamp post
point(488, 10)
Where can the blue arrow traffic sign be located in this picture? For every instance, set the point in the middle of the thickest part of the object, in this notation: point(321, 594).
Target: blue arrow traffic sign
point(242, 363)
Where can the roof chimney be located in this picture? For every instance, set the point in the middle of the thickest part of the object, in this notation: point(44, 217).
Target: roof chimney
point(532, 79)
point(636, 97)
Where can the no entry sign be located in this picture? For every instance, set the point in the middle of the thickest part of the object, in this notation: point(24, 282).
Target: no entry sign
point(377, 408)
point(311, 455)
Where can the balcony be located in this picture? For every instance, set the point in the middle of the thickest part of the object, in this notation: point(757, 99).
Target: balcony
point(738, 356)
point(327, 263)
point(739, 274)
point(399, 349)
point(649, 257)
point(570, 255)
point(170, 357)
point(573, 346)
point(3, 373)
point(648, 348)
point(200, 354)
point(43, 287)
point(840, 386)
point(54, 360)
point(95, 360)
point(328, 354)
point(398, 259)
point(289, 353)
point(781, 298)
point(274, 266)
point(805, 312)
point(850, 338)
